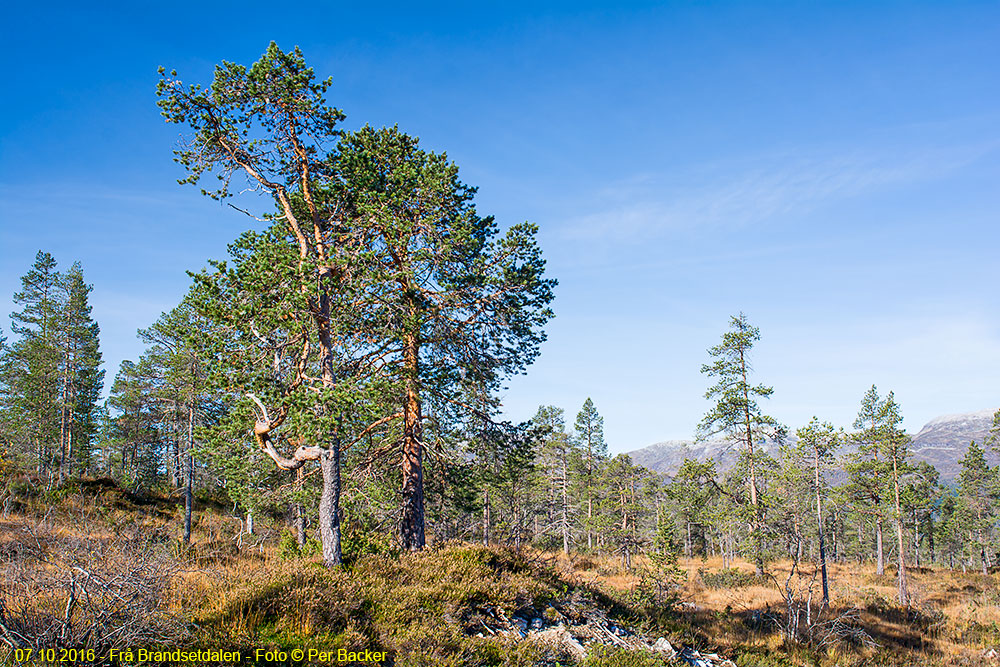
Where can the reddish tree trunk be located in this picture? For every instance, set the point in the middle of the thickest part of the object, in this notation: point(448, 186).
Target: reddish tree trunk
point(412, 522)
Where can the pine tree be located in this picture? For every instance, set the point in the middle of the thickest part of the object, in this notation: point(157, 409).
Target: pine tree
point(867, 469)
point(625, 502)
point(878, 469)
point(31, 385)
point(377, 263)
point(693, 488)
point(737, 414)
point(554, 455)
point(589, 428)
point(951, 529)
point(817, 444)
point(977, 488)
point(83, 377)
point(131, 442)
point(453, 305)
point(504, 459)
point(921, 500)
point(896, 448)
point(268, 125)
point(51, 378)
point(179, 383)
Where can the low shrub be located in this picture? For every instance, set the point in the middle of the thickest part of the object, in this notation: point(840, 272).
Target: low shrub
point(288, 546)
point(612, 656)
point(729, 577)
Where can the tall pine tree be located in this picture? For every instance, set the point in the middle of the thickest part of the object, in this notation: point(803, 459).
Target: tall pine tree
point(737, 413)
point(589, 429)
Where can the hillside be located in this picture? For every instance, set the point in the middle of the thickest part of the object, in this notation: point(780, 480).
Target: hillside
point(942, 442)
point(456, 604)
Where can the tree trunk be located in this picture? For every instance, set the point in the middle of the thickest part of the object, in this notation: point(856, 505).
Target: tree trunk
point(300, 513)
point(590, 517)
point(69, 446)
point(189, 482)
point(819, 527)
point(412, 522)
point(861, 540)
point(930, 537)
point(329, 506)
point(757, 526)
point(175, 448)
point(903, 596)
point(565, 505)
point(879, 557)
point(836, 537)
point(486, 516)
point(62, 427)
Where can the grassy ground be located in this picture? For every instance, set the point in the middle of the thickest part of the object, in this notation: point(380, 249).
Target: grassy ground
point(238, 591)
point(953, 617)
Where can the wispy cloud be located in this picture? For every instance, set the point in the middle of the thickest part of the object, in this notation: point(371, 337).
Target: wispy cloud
point(769, 187)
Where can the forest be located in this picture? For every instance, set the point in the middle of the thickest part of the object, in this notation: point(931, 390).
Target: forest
point(317, 424)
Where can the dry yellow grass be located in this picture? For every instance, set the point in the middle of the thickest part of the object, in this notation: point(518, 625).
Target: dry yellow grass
point(953, 619)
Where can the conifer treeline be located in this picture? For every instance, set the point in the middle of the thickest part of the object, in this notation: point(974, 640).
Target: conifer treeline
point(830, 496)
point(50, 374)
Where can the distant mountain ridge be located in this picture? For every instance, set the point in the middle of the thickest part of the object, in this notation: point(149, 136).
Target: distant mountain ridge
point(942, 442)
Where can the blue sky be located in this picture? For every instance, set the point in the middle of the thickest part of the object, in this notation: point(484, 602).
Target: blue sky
point(832, 170)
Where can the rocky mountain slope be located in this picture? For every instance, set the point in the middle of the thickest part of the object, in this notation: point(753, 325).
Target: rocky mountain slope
point(942, 442)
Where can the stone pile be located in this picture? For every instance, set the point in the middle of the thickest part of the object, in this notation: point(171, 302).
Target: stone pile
point(572, 635)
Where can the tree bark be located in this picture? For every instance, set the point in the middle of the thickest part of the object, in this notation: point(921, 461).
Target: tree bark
point(903, 596)
point(300, 514)
point(757, 525)
point(880, 558)
point(188, 486)
point(590, 520)
point(329, 507)
point(565, 504)
point(819, 527)
point(486, 516)
point(412, 521)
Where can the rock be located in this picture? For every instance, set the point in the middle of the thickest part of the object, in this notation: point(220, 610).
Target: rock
point(618, 631)
point(661, 645)
point(561, 638)
point(695, 659)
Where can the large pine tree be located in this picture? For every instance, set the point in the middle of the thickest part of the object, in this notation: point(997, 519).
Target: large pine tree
point(454, 306)
point(377, 270)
